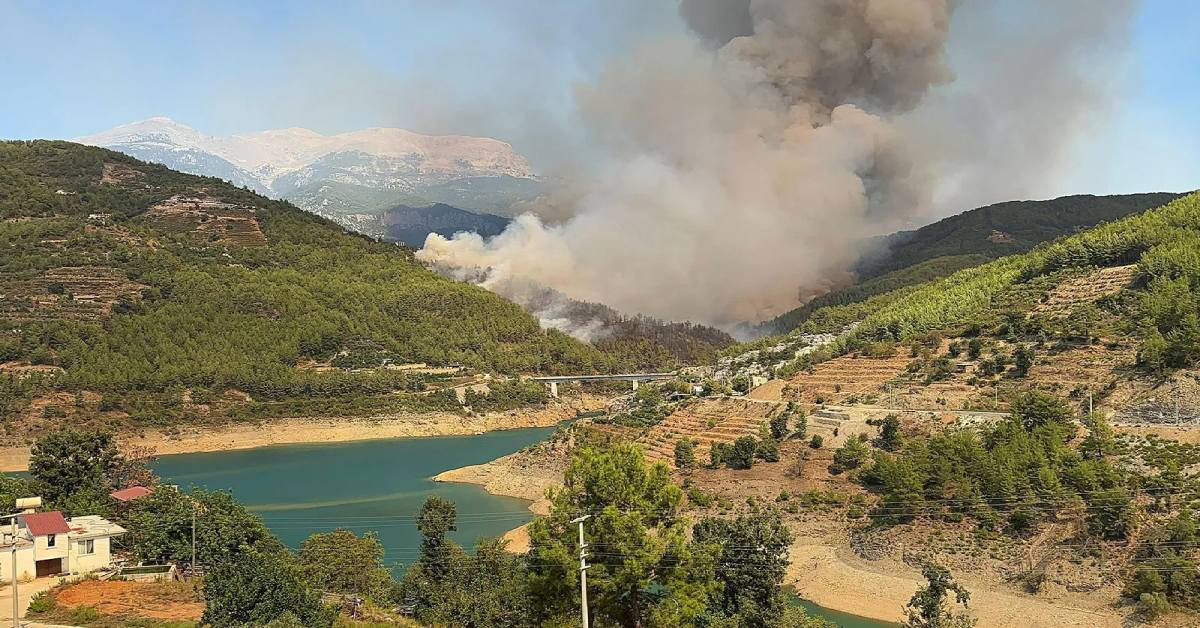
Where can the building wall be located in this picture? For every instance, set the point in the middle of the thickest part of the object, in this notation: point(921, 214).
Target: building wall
point(100, 558)
point(25, 565)
point(43, 551)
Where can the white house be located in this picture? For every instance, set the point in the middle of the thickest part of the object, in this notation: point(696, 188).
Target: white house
point(46, 544)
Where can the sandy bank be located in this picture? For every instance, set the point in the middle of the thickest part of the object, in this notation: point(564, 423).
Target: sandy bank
point(526, 475)
point(331, 430)
point(836, 579)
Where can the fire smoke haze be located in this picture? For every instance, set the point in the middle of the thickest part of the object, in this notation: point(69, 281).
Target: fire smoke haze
point(746, 164)
point(743, 165)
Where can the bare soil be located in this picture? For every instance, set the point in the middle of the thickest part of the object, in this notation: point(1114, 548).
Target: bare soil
point(324, 430)
point(169, 601)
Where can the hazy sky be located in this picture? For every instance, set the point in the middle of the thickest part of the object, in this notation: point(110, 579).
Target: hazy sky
point(504, 69)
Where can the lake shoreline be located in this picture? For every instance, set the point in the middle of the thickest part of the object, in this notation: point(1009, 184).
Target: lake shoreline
point(821, 574)
point(297, 431)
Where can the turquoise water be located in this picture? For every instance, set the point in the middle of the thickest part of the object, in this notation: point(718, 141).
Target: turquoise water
point(374, 485)
point(843, 620)
point(379, 486)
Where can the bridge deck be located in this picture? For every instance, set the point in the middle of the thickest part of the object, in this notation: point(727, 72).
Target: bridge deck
point(625, 377)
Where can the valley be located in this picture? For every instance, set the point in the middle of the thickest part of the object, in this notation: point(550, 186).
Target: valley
point(686, 314)
point(189, 317)
point(930, 383)
point(941, 422)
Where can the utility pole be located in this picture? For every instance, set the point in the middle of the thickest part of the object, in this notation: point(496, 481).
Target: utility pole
point(16, 606)
point(193, 540)
point(583, 567)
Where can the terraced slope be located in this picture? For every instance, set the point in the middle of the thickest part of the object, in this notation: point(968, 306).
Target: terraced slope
point(147, 287)
point(708, 421)
point(835, 381)
point(1087, 289)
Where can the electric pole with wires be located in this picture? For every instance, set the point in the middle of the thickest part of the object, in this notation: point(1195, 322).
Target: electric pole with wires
point(583, 567)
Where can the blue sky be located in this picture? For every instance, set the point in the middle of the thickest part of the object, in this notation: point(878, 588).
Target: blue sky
point(456, 66)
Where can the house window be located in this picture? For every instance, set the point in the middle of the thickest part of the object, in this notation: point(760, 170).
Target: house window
point(87, 546)
point(50, 540)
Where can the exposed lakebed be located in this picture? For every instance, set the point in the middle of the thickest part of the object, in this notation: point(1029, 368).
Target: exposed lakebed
point(374, 485)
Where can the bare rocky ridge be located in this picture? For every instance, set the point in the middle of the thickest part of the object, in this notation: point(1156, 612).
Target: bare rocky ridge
point(352, 178)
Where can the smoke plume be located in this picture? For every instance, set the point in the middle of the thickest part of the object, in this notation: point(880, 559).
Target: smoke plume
point(744, 165)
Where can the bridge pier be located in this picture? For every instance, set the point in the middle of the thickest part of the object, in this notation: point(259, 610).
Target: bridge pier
point(554, 389)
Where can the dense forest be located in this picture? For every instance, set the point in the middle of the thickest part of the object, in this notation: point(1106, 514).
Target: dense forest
point(908, 258)
point(137, 283)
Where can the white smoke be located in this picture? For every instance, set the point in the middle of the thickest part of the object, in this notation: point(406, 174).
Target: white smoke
point(746, 165)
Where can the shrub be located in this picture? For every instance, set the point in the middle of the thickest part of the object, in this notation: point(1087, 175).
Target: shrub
point(1023, 358)
point(685, 453)
point(43, 602)
point(718, 455)
point(741, 454)
point(768, 450)
point(84, 614)
point(700, 498)
point(1153, 605)
point(851, 455)
point(816, 441)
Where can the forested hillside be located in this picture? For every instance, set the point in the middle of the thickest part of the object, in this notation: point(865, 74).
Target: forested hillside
point(134, 282)
point(968, 239)
point(1014, 294)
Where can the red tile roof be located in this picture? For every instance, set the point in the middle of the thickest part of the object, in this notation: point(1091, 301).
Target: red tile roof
point(131, 493)
point(44, 523)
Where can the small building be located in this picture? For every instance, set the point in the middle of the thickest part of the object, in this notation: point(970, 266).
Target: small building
point(131, 493)
point(47, 544)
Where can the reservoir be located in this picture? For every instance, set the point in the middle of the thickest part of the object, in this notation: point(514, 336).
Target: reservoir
point(362, 486)
point(377, 485)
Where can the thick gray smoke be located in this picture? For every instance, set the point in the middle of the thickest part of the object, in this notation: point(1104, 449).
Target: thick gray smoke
point(745, 164)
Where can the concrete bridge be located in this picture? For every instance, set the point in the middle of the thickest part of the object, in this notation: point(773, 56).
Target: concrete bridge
point(555, 380)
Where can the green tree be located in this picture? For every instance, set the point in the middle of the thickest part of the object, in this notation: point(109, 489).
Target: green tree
point(255, 588)
point(649, 574)
point(800, 428)
point(685, 453)
point(65, 462)
point(779, 426)
point(342, 562)
point(1110, 513)
point(741, 384)
point(13, 487)
point(851, 455)
point(1100, 440)
point(161, 523)
point(741, 455)
point(928, 606)
point(427, 581)
point(1036, 408)
point(1023, 360)
point(752, 553)
point(889, 433)
point(1153, 352)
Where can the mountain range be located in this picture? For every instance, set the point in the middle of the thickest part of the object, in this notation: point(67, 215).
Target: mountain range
point(365, 180)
